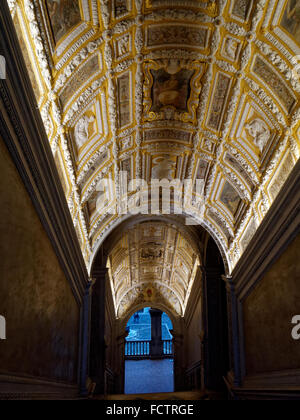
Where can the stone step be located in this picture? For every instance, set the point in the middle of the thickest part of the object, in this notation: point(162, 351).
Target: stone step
point(184, 396)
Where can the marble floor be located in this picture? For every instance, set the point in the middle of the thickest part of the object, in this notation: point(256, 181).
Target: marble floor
point(149, 376)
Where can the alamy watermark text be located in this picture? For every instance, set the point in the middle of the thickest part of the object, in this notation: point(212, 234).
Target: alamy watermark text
point(296, 329)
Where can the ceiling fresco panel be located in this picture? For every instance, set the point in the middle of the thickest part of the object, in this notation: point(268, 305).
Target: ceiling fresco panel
point(64, 15)
point(166, 89)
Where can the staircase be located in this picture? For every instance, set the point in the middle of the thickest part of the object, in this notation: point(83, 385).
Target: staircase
point(183, 396)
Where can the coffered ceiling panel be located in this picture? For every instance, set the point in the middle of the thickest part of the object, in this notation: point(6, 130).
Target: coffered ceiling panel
point(166, 89)
point(153, 263)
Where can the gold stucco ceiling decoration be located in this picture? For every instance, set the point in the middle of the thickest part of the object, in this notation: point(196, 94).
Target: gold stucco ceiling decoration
point(153, 262)
point(178, 89)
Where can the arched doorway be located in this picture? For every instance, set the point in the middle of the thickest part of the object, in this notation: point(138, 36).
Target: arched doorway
point(125, 273)
point(149, 353)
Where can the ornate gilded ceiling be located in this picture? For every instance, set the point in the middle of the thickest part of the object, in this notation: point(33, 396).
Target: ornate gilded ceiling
point(175, 89)
point(153, 263)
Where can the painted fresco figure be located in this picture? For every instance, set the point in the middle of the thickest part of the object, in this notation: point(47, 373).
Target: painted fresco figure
point(64, 14)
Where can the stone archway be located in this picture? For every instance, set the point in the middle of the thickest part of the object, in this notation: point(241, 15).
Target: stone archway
point(108, 330)
point(149, 352)
point(177, 333)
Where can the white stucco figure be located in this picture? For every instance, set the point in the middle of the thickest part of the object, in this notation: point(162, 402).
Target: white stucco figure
point(82, 130)
point(260, 133)
point(231, 46)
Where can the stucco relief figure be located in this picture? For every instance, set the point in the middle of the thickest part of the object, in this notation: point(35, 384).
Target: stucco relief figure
point(64, 14)
point(81, 131)
point(291, 18)
point(123, 45)
point(260, 133)
point(231, 47)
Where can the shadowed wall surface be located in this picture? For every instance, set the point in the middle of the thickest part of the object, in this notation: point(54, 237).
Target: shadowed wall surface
point(268, 312)
point(41, 313)
point(194, 331)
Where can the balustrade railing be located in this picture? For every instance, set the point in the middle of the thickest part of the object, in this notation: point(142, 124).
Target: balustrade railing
point(137, 348)
point(141, 349)
point(168, 347)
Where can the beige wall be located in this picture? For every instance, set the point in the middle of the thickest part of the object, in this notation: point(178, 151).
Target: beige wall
point(35, 298)
point(268, 312)
point(193, 337)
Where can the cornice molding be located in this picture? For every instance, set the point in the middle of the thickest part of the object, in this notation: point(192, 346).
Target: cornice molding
point(23, 132)
point(279, 227)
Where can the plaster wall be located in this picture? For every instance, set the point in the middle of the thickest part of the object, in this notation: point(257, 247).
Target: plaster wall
point(193, 336)
point(42, 316)
point(267, 315)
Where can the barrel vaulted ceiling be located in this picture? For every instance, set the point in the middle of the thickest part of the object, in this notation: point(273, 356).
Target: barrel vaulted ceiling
point(176, 89)
point(153, 263)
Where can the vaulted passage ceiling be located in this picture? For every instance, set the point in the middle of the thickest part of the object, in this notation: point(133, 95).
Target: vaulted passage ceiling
point(153, 262)
point(175, 89)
